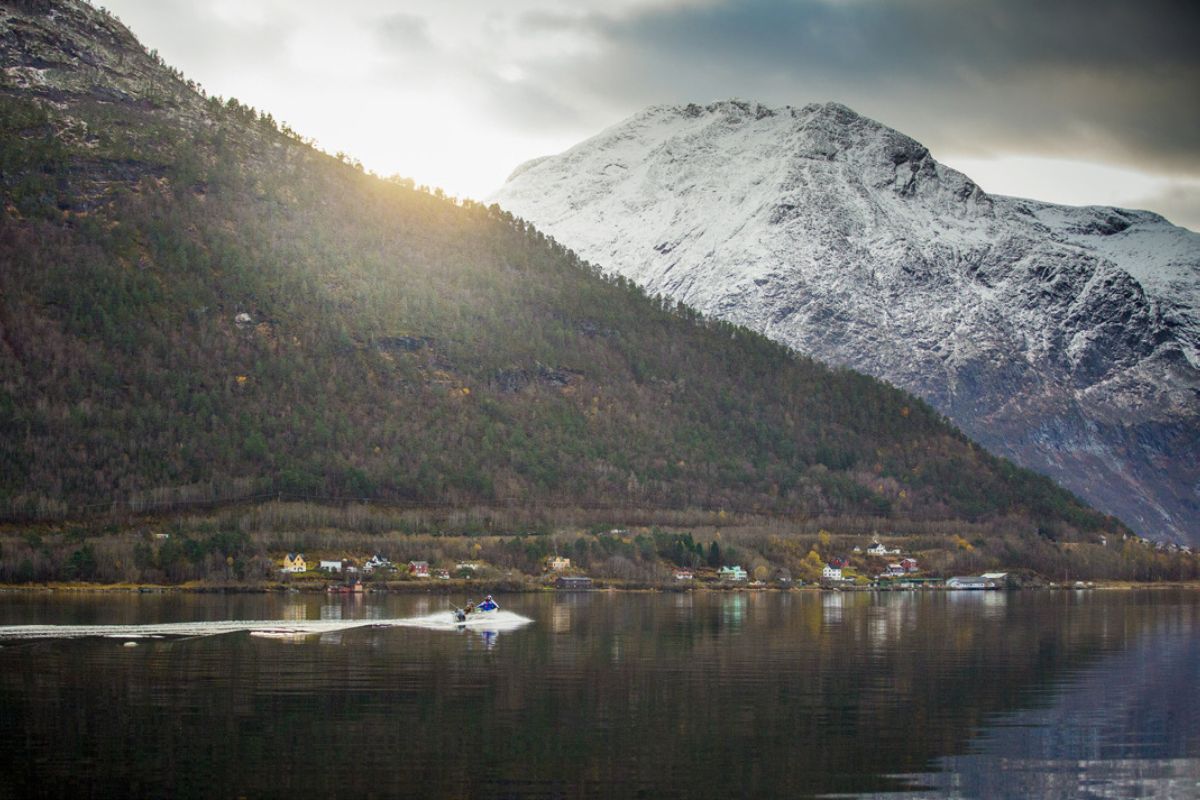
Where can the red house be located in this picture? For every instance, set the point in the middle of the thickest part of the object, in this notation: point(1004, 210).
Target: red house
point(418, 569)
point(909, 564)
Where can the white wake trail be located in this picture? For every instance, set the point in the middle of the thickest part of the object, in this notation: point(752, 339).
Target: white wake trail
point(500, 621)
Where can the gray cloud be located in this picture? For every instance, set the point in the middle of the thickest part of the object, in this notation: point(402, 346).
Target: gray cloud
point(1179, 204)
point(192, 35)
point(1095, 79)
point(1106, 81)
point(405, 31)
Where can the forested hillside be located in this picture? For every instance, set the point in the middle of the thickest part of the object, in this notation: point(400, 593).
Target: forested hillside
point(197, 305)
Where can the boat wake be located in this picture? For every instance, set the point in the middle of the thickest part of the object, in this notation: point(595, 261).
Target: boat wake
point(499, 621)
point(275, 628)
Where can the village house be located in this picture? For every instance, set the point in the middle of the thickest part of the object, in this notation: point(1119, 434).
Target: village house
point(558, 564)
point(442, 574)
point(733, 573)
point(909, 564)
point(831, 573)
point(376, 562)
point(294, 562)
point(683, 575)
point(839, 562)
point(331, 566)
point(893, 570)
point(877, 549)
point(467, 566)
point(418, 569)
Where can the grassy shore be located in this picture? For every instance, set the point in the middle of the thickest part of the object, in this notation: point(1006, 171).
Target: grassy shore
point(476, 588)
point(243, 549)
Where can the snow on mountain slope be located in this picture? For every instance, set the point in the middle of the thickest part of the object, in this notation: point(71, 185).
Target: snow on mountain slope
point(1065, 338)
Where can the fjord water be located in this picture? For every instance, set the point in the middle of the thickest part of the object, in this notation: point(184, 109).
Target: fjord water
point(1025, 694)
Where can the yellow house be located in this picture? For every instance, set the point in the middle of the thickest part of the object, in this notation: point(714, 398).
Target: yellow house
point(558, 564)
point(294, 562)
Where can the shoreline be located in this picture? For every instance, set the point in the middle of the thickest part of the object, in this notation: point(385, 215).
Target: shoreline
point(509, 588)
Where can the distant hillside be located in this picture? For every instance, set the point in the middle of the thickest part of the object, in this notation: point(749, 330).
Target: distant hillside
point(195, 304)
point(1066, 339)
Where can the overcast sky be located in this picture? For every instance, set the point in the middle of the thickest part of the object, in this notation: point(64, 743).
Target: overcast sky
point(1072, 101)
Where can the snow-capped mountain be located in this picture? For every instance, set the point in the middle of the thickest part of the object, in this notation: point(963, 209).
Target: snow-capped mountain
point(1067, 339)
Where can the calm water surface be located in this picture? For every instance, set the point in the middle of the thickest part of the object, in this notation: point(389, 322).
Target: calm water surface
point(1033, 694)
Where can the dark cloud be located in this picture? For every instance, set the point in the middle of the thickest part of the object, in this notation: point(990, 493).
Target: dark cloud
point(1088, 79)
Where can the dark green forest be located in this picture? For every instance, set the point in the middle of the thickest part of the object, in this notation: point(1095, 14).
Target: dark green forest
point(198, 306)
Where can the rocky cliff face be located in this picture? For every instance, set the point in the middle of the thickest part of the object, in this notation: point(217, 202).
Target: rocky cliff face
point(1065, 338)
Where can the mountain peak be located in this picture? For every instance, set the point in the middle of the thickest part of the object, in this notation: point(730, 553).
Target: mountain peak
point(692, 148)
point(1051, 334)
point(741, 110)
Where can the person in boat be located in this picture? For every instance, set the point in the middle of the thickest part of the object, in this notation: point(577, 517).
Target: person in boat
point(488, 604)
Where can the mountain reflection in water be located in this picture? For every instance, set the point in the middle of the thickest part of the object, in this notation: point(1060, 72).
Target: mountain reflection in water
point(1128, 726)
point(607, 695)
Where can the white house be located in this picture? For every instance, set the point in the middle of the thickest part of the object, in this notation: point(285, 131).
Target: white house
point(734, 573)
point(331, 566)
point(376, 562)
point(831, 573)
point(877, 549)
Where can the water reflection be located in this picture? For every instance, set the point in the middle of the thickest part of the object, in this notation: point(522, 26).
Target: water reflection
point(295, 611)
point(832, 607)
point(560, 618)
point(990, 603)
point(1127, 726)
point(698, 695)
point(733, 610)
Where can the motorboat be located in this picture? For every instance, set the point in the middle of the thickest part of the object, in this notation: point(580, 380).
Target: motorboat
point(464, 617)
